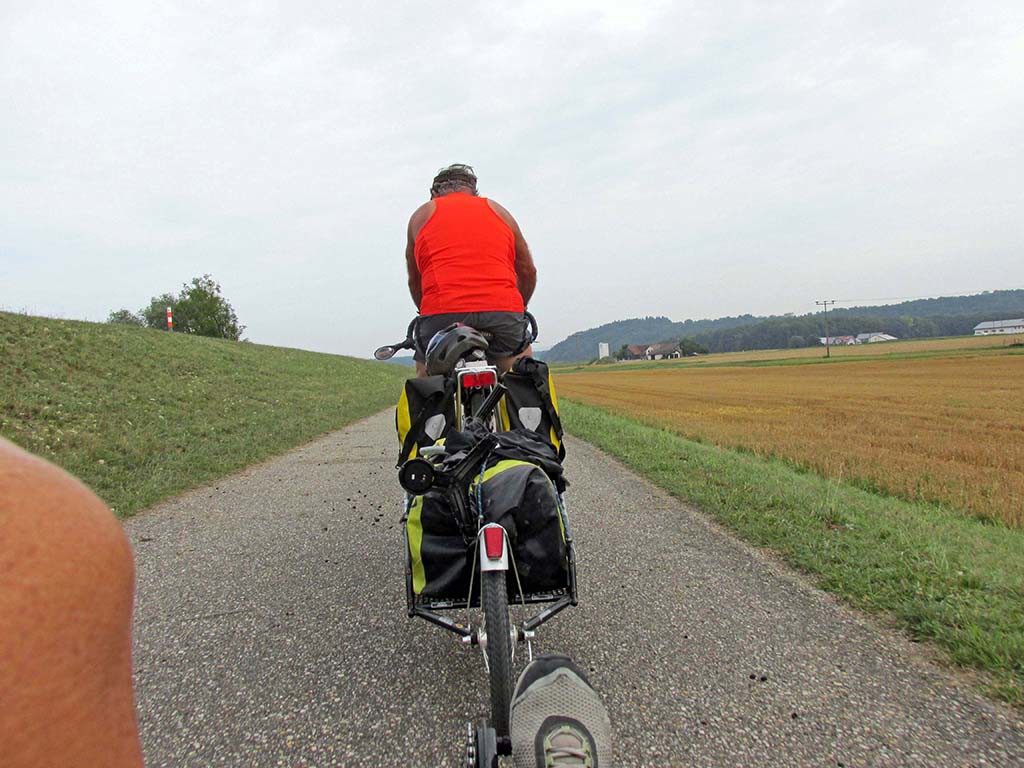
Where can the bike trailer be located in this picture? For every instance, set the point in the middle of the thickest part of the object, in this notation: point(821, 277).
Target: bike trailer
point(531, 402)
point(520, 497)
point(425, 414)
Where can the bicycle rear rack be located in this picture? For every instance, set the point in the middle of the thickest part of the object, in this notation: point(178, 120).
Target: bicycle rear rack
point(555, 600)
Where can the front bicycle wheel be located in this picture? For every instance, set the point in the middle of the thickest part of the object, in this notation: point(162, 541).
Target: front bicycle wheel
point(494, 601)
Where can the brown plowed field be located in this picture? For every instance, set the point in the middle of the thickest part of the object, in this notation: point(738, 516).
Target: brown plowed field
point(949, 430)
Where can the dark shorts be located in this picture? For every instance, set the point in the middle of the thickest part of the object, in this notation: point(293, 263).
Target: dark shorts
point(507, 333)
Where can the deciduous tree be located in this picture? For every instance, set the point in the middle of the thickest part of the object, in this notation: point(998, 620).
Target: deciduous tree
point(202, 310)
point(199, 309)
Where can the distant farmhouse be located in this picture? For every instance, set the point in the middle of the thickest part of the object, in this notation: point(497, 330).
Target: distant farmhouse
point(999, 326)
point(838, 341)
point(872, 338)
point(860, 338)
point(665, 351)
point(670, 349)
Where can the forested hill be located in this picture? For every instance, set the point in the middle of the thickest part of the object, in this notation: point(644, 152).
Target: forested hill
point(1008, 303)
point(948, 315)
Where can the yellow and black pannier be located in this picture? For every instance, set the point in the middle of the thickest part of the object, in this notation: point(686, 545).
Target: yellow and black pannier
point(439, 556)
point(531, 402)
point(425, 414)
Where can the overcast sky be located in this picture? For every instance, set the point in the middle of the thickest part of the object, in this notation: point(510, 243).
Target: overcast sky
point(685, 159)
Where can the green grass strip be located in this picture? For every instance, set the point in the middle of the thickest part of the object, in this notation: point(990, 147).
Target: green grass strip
point(139, 415)
point(942, 576)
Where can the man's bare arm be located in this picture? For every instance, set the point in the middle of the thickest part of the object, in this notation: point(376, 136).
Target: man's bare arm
point(526, 270)
point(415, 283)
point(416, 222)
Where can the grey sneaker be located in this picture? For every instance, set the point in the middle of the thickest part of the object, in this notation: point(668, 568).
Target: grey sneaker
point(558, 718)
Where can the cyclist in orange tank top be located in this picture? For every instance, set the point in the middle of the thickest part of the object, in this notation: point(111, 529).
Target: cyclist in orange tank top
point(469, 263)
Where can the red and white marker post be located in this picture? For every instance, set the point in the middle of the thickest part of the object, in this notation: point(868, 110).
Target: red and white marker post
point(170, 321)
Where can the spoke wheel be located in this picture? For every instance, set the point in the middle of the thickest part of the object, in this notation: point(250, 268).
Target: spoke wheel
point(494, 601)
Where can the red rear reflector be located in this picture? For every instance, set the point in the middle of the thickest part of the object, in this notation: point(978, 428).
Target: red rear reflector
point(477, 380)
point(494, 542)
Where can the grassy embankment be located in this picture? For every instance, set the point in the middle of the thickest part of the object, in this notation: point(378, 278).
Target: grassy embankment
point(944, 572)
point(139, 415)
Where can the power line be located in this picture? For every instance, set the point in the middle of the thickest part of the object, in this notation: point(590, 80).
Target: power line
point(825, 304)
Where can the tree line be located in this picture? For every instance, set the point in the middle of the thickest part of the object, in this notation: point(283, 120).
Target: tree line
point(991, 303)
point(807, 330)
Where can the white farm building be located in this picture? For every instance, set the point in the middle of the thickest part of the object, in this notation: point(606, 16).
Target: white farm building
point(874, 338)
point(999, 326)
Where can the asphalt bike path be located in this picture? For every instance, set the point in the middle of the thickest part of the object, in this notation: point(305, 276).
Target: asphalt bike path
point(271, 631)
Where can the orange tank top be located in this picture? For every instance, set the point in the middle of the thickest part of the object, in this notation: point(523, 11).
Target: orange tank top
point(466, 255)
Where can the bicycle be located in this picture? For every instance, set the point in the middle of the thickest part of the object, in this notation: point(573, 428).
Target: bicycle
point(457, 473)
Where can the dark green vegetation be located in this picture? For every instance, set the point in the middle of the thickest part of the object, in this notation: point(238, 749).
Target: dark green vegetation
point(940, 575)
point(924, 318)
point(139, 414)
point(200, 309)
point(1002, 303)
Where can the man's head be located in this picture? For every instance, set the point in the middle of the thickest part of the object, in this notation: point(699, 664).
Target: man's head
point(454, 178)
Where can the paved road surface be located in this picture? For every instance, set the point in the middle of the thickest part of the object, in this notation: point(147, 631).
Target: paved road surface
point(271, 632)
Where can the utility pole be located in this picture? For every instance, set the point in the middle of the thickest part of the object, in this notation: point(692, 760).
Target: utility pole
point(825, 304)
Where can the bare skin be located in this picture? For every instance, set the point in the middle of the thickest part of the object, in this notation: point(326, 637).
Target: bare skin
point(526, 270)
point(66, 584)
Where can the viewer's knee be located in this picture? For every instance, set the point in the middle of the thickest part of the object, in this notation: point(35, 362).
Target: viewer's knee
point(66, 592)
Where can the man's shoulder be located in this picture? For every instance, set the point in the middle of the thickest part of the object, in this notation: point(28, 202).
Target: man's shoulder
point(503, 213)
point(420, 216)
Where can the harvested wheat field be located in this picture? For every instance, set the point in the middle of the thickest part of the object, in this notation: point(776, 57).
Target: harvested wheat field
point(948, 430)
